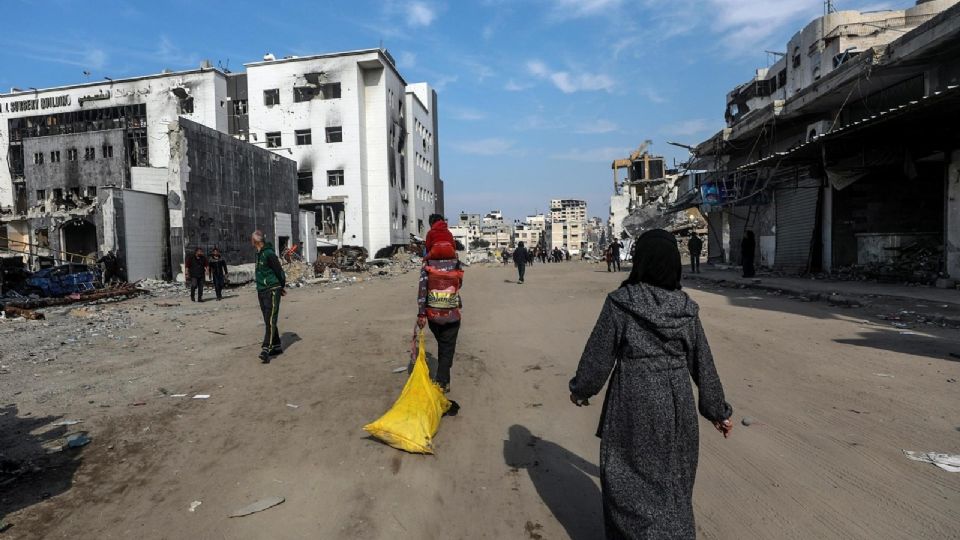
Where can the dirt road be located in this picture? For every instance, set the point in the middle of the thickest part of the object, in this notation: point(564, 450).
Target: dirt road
point(835, 399)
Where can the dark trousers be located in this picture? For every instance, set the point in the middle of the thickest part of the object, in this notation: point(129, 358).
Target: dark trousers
point(521, 270)
point(695, 262)
point(446, 335)
point(196, 289)
point(748, 269)
point(270, 308)
point(218, 285)
point(616, 261)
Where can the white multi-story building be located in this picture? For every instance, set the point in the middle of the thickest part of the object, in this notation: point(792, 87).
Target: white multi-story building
point(364, 140)
point(567, 226)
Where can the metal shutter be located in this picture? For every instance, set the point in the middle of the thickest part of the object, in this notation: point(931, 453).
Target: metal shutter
point(796, 223)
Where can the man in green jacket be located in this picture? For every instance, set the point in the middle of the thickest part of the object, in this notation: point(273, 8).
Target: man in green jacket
point(270, 287)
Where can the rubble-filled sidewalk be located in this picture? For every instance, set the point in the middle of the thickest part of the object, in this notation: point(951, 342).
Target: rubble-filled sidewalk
point(895, 302)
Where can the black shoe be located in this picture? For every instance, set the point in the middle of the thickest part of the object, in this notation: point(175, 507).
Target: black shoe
point(265, 357)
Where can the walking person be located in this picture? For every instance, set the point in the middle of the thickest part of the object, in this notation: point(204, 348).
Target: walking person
point(439, 305)
point(195, 271)
point(218, 272)
point(520, 256)
point(650, 338)
point(608, 256)
point(748, 249)
point(271, 283)
point(615, 248)
point(695, 247)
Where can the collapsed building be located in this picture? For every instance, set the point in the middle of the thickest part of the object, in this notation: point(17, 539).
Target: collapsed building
point(845, 152)
point(152, 166)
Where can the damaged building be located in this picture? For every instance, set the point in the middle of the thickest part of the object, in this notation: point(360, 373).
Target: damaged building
point(843, 157)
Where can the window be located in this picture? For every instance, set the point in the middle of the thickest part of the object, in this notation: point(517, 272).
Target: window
point(305, 182)
point(239, 107)
point(273, 139)
point(330, 90)
point(75, 192)
point(304, 136)
point(796, 57)
point(782, 78)
point(91, 191)
point(58, 194)
point(71, 154)
point(89, 153)
point(186, 105)
point(41, 195)
point(335, 134)
point(304, 93)
point(107, 151)
point(55, 156)
point(271, 97)
point(38, 158)
point(335, 178)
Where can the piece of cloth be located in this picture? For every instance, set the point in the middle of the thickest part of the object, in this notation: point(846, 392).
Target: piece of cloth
point(196, 289)
point(649, 342)
point(439, 233)
point(656, 261)
point(446, 335)
point(270, 309)
point(947, 462)
point(437, 315)
point(269, 273)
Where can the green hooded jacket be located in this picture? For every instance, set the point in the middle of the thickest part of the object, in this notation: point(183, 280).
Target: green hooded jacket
point(269, 273)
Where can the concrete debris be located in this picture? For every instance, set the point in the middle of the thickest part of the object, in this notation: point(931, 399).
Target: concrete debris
point(77, 440)
point(258, 506)
point(194, 505)
point(947, 462)
point(748, 420)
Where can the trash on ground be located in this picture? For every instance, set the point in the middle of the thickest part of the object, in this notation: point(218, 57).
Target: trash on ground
point(202, 396)
point(947, 462)
point(887, 375)
point(258, 506)
point(178, 395)
point(414, 419)
point(77, 440)
point(292, 406)
point(399, 369)
point(194, 505)
point(68, 422)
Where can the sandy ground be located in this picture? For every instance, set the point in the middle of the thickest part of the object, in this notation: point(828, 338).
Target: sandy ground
point(835, 397)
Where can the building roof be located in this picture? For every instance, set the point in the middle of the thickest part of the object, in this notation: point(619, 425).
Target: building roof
point(108, 82)
point(359, 52)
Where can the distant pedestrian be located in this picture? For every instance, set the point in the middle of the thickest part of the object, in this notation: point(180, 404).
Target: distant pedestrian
point(608, 256)
point(271, 283)
point(505, 257)
point(520, 260)
point(695, 247)
point(439, 305)
point(748, 249)
point(649, 342)
point(530, 257)
point(218, 272)
point(195, 271)
point(566, 254)
point(111, 268)
point(615, 248)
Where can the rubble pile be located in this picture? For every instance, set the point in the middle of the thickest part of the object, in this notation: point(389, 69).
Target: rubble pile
point(919, 262)
point(352, 258)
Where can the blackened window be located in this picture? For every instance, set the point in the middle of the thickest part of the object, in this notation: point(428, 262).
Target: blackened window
point(271, 97)
point(107, 151)
point(71, 154)
point(38, 158)
point(782, 78)
point(91, 191)
point(239, 107)
point(335, 134)
point(335, 178)
point(304, 93)
point(186, 105)
point(55, 156)
point(273, 139)
point(330, 90)
point(89, 153)
point(304, 137)
point(41, 195)
point(305, 182)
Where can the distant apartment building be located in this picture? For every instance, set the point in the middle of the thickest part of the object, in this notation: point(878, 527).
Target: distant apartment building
point(531, 231)
point(567, 226)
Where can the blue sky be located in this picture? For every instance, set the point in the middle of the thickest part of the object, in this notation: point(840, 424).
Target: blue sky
point(537, 97)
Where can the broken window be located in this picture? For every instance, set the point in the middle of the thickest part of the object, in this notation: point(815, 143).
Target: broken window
point(271, 97)
point(42, 238)
point(89, 153)
point(75, 192)
point(239, 107)
point(186, 105)
point(796, 57)
point(330, 90)
point(38, 158)
point(335, 134)
point(335, 178)
point(55, 156)
point(107, 151)
point(71, 154)
point(782, 78)
point(304, 137)
point(138, 152)
point(57, 194)
point(420, 226)
point(91, 191)
point(305, 182)
point(41, 195)
point(273, 139)
point(304, 93)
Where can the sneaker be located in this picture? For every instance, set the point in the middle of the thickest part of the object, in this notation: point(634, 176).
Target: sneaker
point(265, 357)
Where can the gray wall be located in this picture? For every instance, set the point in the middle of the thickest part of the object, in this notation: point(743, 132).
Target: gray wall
point(74, 174)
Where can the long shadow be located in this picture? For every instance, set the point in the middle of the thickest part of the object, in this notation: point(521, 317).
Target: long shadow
point(906, 342)
point(561, 478)
point(289, 338)
point(32, 466)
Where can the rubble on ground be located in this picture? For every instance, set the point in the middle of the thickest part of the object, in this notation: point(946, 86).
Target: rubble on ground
point(918, 263)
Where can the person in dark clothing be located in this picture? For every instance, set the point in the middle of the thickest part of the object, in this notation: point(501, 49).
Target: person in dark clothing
point(649, 342)
point(615, 248)
point(439, 305)
point(520, 257)
point(271, 285)
point(111, 268)
point(195, 271)
point(218, 272)
point(695, 247)
point(748, 249)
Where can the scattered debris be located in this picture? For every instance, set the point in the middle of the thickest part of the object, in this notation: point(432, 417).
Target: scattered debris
point(194, 505)
point(258, 506)
point(400, 369)
point(13, 311)
point(216, 332)
point(68, 422)
point(292, 406)
point(887, 375)
point(77, 440)
point(947, 462)
point(178, 395)
point(202, 396)
point(748, 420)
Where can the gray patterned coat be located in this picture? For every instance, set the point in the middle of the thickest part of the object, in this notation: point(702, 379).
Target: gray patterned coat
point(652, 341)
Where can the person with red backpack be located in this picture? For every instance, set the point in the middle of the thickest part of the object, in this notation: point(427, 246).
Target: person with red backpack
point(438, 296)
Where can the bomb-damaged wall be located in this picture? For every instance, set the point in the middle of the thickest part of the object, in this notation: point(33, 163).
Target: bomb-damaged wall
point(74, 163)
point(221, 190)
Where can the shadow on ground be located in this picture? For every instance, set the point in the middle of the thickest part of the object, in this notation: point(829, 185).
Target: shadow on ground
point(288, 339)
point(563, 480)
point(906, 342)
point(32, 465)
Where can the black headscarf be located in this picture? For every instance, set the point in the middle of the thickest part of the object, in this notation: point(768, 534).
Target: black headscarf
point(656, 261)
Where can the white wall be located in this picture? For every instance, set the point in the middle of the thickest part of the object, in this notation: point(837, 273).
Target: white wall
point(308, 235)
point(145, 230)
point(149, 179)
point(421, 171)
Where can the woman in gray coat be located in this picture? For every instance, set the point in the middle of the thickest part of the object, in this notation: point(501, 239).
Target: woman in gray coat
point(650, 338)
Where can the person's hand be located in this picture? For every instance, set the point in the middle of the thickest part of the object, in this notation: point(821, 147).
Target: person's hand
point(724, 426)
point(283, 292)
point(421, 321)
point(579, 401)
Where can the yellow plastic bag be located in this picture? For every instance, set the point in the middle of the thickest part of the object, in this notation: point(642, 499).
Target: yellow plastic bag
point(415, 417)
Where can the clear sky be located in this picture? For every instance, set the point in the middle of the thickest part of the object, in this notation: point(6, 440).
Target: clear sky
point(537, 97)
